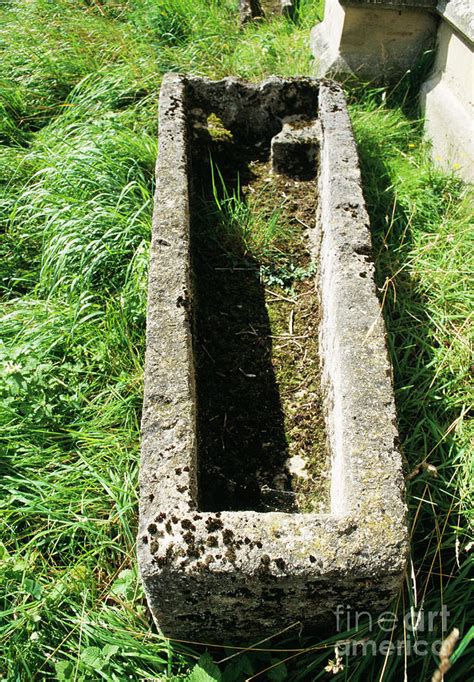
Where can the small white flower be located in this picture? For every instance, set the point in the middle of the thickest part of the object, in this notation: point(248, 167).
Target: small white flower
point(335, 665)
point(12, 367)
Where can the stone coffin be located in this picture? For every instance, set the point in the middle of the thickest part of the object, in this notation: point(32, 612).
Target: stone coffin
point(238, 576)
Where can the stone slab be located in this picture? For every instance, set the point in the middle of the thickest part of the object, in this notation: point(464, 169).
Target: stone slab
point(447, 103)
point(238, 576)
point(460, 15)
point(374, 41)
point(295, 149)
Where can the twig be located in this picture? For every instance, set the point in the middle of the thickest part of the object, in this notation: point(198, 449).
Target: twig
point(286, 336)
point(291, 340)
point(249, 376)
point(279, 296)
point(447, 648)
point(253, 646)
point(302, 223)
point(207, 353)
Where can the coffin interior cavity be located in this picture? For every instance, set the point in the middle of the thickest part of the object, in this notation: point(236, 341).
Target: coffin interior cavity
point(261, 442)
point(213, 572)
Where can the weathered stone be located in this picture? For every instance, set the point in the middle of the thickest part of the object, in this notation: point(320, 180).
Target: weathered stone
point(239, 575)
point(381, 40)
point(257, 9)
point(295, 150)
point(460, 15)
point(447, 96)
point(378, 40)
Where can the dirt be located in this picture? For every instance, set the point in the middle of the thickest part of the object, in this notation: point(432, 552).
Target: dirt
point(294, 318)
point(261, 436)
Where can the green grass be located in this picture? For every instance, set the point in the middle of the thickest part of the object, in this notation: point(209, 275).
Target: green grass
point(78, 98)
point(246, 229)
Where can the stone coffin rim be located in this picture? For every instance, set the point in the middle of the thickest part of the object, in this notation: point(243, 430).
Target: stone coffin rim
point(364, 537)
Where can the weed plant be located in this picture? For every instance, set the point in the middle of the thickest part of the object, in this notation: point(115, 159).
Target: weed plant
point(78, 92)
point(245, 228)
point(254, 231)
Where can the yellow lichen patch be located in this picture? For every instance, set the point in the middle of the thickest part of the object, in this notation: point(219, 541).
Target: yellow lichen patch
point(217, 129)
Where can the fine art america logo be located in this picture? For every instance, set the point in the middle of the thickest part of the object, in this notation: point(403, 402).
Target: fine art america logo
point(418, 628)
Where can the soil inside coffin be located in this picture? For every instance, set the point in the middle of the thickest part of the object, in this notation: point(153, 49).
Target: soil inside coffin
point(260, 426)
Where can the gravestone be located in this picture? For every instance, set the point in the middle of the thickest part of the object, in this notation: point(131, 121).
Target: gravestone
point(382, 40)
point(448, 93)
point(376, 40)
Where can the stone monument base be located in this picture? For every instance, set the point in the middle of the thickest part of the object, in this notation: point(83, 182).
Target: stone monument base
point(446, 97)
point(373, 41)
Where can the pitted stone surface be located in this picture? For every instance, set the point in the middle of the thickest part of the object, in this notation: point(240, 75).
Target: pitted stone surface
point(295, 149)
point(237, 576)
point(460, 14)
